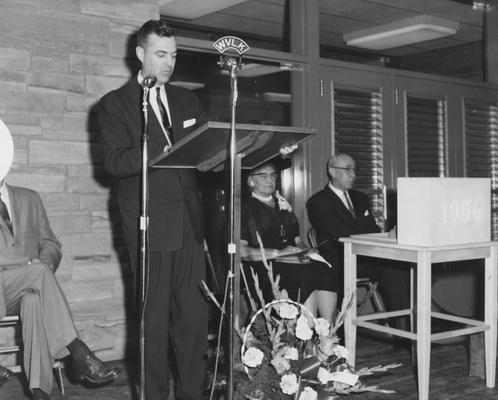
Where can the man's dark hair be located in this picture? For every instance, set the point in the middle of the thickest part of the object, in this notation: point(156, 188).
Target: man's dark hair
point(157, 26)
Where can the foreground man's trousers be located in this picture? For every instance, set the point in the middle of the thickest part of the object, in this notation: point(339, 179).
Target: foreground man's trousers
point(33, 292)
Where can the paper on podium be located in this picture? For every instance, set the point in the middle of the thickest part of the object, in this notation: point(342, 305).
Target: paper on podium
point(207, 148)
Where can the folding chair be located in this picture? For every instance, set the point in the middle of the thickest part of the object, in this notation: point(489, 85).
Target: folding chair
point(15, 321)
point(366, 293)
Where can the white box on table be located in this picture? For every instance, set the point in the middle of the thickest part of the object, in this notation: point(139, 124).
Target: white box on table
point(443, 211)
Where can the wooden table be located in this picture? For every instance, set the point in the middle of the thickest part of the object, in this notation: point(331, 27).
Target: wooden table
point(380, 246)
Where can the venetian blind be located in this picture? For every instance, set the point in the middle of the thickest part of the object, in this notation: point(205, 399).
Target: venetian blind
point(481, 149)
point(358, 131)
point(426, 137)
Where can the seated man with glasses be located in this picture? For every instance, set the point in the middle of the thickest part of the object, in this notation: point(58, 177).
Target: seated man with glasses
point(339, 211)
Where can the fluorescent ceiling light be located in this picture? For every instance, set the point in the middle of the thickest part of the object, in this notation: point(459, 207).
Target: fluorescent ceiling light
point(191, 9)
point(402, 33)
point(188, 85)
point(277, 97)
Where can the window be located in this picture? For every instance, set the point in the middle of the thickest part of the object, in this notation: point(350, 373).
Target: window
point(357, 119)
point(426, 137)
point(481, 150)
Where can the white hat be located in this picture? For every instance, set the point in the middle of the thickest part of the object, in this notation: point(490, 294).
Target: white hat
point(6, 150)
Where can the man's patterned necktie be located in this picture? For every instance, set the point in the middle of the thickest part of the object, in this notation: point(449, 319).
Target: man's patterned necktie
point(164, 118)
point(4, 214)
point(350, 205)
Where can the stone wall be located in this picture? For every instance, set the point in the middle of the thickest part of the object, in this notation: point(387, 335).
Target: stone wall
point(57, 58)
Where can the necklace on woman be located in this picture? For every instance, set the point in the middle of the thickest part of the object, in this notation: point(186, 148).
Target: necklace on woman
point(262, 198)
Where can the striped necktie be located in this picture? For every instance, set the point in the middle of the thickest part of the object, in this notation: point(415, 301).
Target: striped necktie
point(349, 204)
point(164, 117)
point(4, 214)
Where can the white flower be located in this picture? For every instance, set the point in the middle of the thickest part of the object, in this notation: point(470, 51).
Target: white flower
point(308, 394)
point(289, 384)
point(322, 326)
point(283, 204)
point(281, 364)
point(303, 330)
point(290, 353)
point(249, 337)
point(326, 346)
point(341, 351)
point(323, 375)
point(287, 311)
point(252, 357)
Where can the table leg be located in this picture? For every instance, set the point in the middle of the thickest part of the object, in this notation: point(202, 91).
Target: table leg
point(423, 322)
point(350, 295)
point(490, 312)
point(413, 343)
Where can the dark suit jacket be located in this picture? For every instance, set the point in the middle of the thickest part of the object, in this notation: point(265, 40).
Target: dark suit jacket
point(33, 238)
point(332, 220)
point(171, 191)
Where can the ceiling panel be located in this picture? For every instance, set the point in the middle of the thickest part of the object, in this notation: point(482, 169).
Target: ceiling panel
point(339, 24)
point(366, 11)
point(232, 23)
point(331, 39)
point(469, 33)
point(256, 9)
point(278, 2)
point(266, 18)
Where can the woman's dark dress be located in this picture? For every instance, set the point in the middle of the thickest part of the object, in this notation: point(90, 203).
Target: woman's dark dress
point(278, 229)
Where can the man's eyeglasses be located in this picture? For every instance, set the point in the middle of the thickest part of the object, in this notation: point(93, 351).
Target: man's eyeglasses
point(349, 170)
point(265, 175)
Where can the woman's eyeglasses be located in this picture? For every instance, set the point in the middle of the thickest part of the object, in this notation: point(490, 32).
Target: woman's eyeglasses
point(265, 175)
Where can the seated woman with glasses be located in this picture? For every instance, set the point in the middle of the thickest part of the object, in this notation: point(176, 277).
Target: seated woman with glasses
point(267, 213)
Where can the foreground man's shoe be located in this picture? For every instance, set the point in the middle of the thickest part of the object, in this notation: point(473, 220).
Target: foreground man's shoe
point(90, 368)
point(5, 375)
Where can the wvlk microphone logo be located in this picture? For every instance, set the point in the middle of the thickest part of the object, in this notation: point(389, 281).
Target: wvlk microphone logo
point(233, 43)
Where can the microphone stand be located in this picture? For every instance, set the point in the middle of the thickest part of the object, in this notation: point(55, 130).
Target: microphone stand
point(144, 240)
point(232, 65)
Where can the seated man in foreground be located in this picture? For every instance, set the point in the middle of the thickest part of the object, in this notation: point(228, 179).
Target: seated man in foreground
point(29, 256)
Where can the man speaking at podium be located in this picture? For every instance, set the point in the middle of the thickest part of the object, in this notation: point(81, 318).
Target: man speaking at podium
point(175, 305)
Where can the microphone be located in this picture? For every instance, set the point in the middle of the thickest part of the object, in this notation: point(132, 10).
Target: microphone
point(149, 81)
point(231, 45)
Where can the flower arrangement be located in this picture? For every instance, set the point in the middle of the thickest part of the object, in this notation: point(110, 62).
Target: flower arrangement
point(286, 353)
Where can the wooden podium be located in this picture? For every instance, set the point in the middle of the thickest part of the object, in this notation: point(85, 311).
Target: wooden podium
point(208, 149)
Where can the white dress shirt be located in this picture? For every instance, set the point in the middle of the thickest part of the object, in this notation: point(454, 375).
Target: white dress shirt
point(341, 194)
point(4, 195)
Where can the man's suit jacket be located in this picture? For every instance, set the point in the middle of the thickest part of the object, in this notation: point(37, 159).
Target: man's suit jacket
point(32, 239)
point(171, 191)
point(332, 220)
